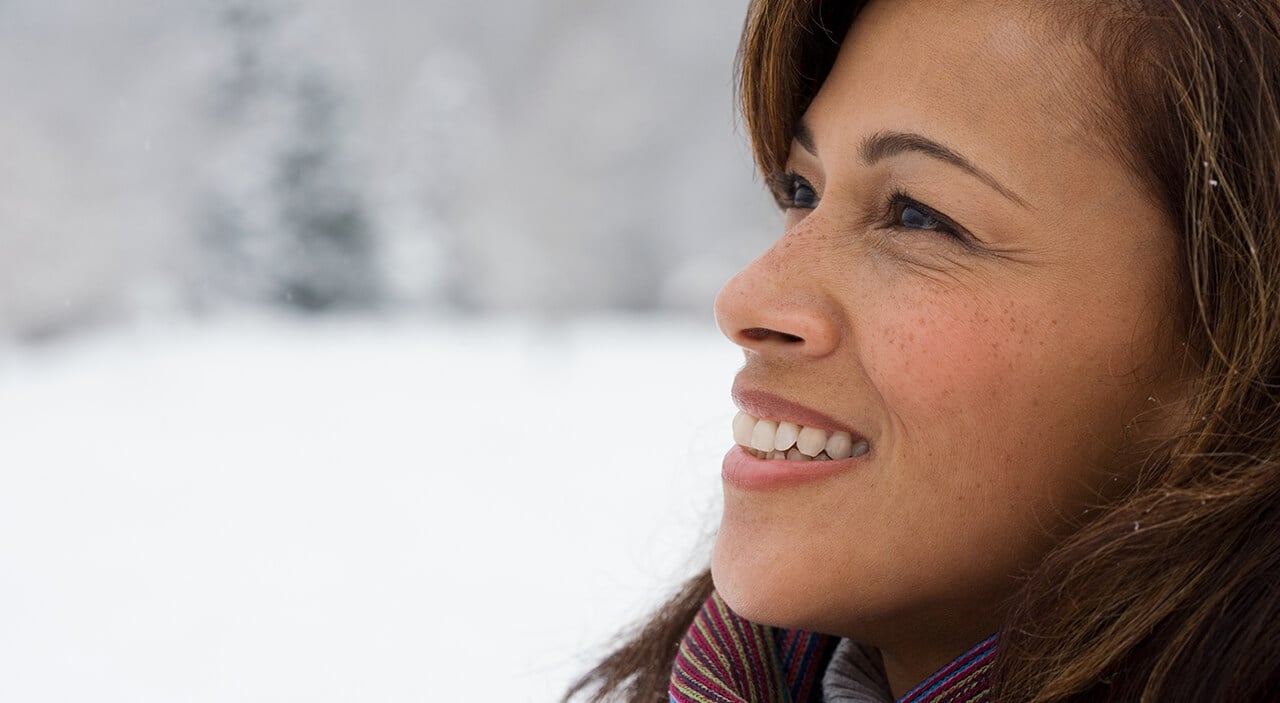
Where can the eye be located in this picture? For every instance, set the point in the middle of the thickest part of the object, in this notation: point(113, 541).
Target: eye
point(792, 190)
point(906, 213)
point(803, 195)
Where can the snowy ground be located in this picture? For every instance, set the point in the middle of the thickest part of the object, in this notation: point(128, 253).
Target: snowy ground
point(272, 511)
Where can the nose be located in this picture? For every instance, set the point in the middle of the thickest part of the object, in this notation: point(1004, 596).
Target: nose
point(777, 306)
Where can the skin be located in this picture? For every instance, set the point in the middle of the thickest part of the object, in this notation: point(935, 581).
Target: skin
point(1002, 379)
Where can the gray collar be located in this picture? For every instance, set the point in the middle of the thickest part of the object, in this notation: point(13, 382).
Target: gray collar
point(855, 675)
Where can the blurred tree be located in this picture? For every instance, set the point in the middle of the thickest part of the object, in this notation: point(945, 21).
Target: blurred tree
point(284, 222)
point(549, 157)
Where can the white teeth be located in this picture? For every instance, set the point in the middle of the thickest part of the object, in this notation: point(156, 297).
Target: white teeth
point(762, 435)
point(743, 424)
point(786, 436)
point(840, 445)
point(769, 439)
point(811, 441)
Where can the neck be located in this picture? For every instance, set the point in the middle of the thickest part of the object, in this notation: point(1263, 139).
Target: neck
point(906, 668)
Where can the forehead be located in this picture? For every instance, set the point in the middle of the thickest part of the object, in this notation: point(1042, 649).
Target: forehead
point(997, 80)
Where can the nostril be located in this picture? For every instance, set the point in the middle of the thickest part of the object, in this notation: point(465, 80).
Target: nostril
point(760, 334)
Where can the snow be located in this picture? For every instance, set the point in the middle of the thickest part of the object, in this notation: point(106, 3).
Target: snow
point(271, 510)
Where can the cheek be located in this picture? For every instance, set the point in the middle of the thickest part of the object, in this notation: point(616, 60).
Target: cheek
point(948, 360)
point(1016, 393)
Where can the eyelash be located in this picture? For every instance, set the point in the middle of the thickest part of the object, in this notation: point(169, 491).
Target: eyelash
point(784, 186)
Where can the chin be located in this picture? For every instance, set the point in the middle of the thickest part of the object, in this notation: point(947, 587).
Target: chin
point(762, 588)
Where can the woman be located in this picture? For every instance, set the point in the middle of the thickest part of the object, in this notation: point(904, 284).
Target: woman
point(1008, 425)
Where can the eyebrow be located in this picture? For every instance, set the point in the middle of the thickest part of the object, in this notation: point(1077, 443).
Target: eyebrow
point(887, 143)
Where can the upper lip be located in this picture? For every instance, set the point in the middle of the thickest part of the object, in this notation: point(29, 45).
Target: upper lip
point(764, 405)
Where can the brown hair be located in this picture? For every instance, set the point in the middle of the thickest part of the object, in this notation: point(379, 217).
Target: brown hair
point(1172, 592)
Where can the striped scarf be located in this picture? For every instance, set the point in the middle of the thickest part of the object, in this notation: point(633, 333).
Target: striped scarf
point(727, 659)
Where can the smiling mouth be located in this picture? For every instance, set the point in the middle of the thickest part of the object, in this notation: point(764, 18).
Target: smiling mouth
point(770, 439)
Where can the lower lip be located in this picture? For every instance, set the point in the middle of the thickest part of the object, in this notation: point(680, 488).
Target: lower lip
point(744, 471)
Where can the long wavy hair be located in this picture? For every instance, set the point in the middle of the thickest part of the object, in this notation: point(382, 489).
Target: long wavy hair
point(1186, 608)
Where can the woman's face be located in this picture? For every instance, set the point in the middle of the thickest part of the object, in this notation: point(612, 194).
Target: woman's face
point(973, 284)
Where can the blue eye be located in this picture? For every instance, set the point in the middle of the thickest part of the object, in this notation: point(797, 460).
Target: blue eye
point(906, 213)
point(803, 195)
point(793, 191)
point(913, 217)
